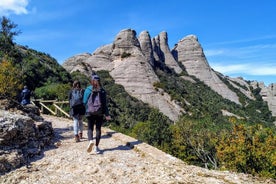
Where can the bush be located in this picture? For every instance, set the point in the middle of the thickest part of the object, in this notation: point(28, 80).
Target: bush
point(10, 83)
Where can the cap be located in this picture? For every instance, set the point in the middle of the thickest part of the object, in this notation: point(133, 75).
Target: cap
point(95, 77)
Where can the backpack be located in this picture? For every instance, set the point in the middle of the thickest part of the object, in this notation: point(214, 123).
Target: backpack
point(76, 98)
point(94, 105)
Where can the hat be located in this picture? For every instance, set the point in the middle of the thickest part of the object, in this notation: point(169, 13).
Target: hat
point(95, 77)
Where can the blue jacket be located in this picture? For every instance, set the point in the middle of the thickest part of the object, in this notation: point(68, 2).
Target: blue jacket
point(88, 92)
point(25, 97)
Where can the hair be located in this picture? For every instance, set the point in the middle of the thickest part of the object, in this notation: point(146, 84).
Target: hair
point(76, 84)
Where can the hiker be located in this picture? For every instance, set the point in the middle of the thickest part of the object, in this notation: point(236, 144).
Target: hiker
point(25, 96)
point(96, 110)
point(77, 109)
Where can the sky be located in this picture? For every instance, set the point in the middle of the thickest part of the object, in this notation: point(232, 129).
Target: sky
point(238, 37)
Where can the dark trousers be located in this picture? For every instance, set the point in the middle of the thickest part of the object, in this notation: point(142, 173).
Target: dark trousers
point(92, 121)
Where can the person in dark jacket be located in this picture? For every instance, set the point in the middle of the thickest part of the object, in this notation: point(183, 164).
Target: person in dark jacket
point(25, 96)
point(77, 110)
point(95, 119)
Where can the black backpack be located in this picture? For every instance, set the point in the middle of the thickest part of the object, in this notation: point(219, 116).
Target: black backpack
point(76, 98)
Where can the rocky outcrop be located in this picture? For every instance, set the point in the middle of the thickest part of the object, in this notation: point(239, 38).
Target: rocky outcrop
point(242, 86)
point(189, 52)
point(164, 54)
point(146, 47)
point(268, 94)
point(21, 138)
point(75, 63)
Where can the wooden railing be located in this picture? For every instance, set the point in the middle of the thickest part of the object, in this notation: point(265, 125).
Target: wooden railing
point(44, 104)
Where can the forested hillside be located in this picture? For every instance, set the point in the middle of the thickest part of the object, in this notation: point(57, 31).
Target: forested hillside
point(21, 65)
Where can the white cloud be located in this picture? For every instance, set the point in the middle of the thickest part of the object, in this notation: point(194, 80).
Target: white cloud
point(248, 69)
point(13, 6)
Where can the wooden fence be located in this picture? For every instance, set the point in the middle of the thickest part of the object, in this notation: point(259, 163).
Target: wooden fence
point(52, 106)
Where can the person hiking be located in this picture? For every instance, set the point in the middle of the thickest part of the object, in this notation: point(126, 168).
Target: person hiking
point(77, 109)
point(25, 96)
point(96, 110)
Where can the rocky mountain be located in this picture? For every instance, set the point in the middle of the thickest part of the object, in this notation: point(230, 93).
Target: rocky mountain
point(268, 94)
point(132, 60)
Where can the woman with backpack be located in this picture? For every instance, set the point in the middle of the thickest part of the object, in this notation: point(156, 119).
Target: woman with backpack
point(77, 109)
point(96, 110)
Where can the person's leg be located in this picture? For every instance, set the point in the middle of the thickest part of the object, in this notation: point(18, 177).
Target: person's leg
point(90, 121)
point(90, 129)
point(99, 121)
point(80, 127)
point(75, 127)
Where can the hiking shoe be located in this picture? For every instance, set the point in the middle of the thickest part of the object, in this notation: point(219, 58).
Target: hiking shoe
point(90, 146)
point(97, 150)
point(80, 135)
point(77, 139)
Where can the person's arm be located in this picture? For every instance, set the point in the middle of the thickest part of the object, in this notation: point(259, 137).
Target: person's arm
point(87, 92)
point(105, 107)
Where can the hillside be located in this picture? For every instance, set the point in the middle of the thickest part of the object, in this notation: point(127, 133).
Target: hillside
point(122, 160)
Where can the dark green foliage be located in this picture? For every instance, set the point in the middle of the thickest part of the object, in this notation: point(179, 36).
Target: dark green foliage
point(84, 80)
point(41, 67)
point(7, 34)
point(125, 55)
point(155, 131)
point(193, 141)
point(203, 101)
point(54, 91)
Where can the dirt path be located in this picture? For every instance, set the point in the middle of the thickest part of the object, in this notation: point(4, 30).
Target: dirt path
point(123, 160)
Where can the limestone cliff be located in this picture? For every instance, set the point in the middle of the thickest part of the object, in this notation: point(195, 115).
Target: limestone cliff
point(268, 94)
point(130, 64)
point(189, 52)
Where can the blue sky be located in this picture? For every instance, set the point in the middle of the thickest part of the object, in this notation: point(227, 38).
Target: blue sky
point(238, 36)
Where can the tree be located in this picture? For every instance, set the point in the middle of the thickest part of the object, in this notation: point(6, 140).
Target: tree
point(10, 83)
point(7, 34)
point(193, 143)
point(249, 150)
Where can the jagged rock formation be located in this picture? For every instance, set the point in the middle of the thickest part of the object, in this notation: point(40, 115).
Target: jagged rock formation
point(268, 94)
point(21, 138)
point(146, 47)
point(130, 67)
point(189, 52)
point(164, 54)
point(131, 62)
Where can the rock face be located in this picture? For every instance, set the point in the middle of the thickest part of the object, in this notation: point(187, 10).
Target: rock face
point(268, 94)
point(189, 52)
point(131, 62)
point(20, 139)
point(163, 52)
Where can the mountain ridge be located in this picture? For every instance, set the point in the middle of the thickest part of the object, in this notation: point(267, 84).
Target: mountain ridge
point(131, 61)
